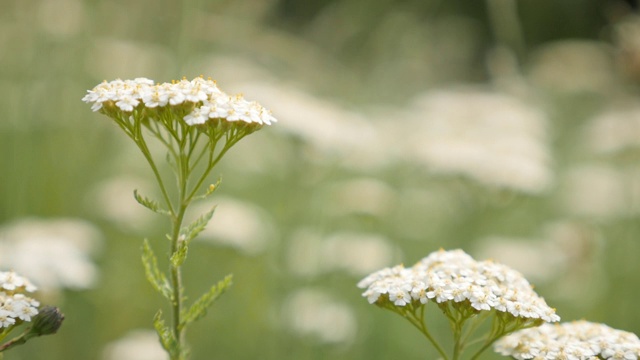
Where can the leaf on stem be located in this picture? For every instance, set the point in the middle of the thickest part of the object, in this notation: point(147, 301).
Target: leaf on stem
point(178, 257)
point(199, 308)
point(149, 204)
point(193, 229)
point(157, 279)
point(167, 339)
point(189, 233)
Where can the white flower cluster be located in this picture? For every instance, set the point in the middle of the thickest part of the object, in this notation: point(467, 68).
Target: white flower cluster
point(54, 253)
point(210, 102)
point(15, 306)
point(495, 139)
point(579, 340)
point(455, 276)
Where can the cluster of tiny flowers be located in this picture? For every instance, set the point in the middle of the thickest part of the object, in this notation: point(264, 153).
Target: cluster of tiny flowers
point(579, 340)
point(15, 306)
point(455, 276)
point(210, 102)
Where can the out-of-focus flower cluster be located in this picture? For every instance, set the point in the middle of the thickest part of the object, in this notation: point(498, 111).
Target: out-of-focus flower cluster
point(454, 276)
point(579, 340)
point(15, 307)
point(53, 253)
point(313, 313)
point(202, 97)
point(137, 345)
point(495, 139)
point(238, 224)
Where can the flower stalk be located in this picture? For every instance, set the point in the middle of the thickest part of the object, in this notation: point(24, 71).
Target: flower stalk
point(197, 124)
point(47, 322)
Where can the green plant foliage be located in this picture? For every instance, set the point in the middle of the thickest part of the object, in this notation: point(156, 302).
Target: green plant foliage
point(199, 308)
point(189, 233)
point(166, 336)
point(192, 230)
point(149, 204)
point(156, 278)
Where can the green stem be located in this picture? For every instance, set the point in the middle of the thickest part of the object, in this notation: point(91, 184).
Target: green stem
point(142, 145)
point(457, 344)
point(474, 326)
point(212, 164)
point(176, 285)
point(499, 329)
point(6, 332)
point(19, 340)
point(184, 171)
point(460, 315)
point(418, 322)
point(157, 132)
point(177, 215)
point(483, 348)
point(201, 153)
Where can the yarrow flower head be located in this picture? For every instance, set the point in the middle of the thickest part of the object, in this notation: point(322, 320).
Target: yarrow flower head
point(195, 120)
point(578, 340)
point(455, 277)
point(467, 291)
point(197, 102)
point(15, 307)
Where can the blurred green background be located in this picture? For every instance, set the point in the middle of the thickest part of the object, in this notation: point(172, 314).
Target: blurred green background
point(508, 128)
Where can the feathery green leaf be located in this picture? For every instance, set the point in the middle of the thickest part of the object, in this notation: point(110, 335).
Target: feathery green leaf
point(199, 308)
point(187, 234)
point(149, 204)
point(157, 279)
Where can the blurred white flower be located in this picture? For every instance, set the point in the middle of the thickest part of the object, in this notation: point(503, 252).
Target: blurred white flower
point(356, 253)
point(614, 130)
point(564, 257)
point(10, 281)
point(52, 253)
point(493, 138)
point(338, 134)
point(136, 345)
point(311, 312)
point(580, 245)
point(241, 225)
point(264, 156)
point(537, 260)
point(311, 253)
point(113, 199)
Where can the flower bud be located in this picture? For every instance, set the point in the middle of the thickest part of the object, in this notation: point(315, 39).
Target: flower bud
point(47, 322)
